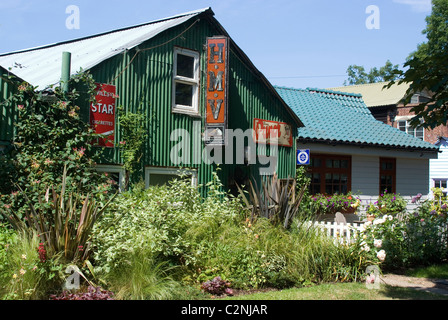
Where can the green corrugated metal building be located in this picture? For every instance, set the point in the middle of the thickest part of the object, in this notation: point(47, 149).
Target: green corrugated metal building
point(161, 68)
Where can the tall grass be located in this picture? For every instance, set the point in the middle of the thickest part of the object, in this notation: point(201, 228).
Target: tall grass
point(144, 277)
point(24, 278)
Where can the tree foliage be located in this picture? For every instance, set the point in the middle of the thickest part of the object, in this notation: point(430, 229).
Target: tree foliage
point(359, 75)
point(427, 70)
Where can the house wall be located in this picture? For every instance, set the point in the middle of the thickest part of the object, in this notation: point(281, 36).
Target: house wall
point(147, 85)
point(412, 172)
point(431, 135)
point(439, 167)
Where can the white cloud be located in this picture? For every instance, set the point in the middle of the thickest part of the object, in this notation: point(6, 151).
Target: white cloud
point(417, 5)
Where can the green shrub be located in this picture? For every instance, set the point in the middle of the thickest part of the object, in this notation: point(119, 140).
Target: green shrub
point(158, 219)
point(49, 136)
point(387, 204)
point(412, 238)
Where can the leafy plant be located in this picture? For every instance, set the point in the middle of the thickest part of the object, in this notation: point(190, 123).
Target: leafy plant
point(63, 222)
point(387, 203)
point(25, 276)
point(338, 202)
point(93, 293)
point(217, 286)
point(49, 136)
point(133, 135)
point(276, 201)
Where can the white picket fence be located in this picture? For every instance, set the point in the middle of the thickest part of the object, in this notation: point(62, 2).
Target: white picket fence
point(344, 232)
point(341, 232)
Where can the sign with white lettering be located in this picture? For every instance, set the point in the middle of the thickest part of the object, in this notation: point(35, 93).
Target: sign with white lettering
point(102, 114)
point(272, 132)
point(217, 88)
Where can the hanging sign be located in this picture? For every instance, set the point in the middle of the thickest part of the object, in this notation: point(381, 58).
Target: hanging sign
point(102, 114)
point(272, 132)
point(217, 90)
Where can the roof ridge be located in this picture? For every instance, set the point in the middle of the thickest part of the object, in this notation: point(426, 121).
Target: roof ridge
point(289, 88)
point(350, 94)
point(199, 11)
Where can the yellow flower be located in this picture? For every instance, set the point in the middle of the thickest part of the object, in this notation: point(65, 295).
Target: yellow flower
point(14, 276)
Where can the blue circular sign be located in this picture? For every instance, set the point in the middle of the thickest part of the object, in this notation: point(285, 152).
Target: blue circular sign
point(303, 157)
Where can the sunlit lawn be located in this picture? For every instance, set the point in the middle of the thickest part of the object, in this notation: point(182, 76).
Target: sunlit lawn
point(342, 291)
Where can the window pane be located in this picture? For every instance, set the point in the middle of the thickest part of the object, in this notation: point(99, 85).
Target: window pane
point(336, 164)
point(316, 162)
point(328, 179)
point(329, 163)
point(402, 125)
point(185, 66)
point(336, 189)
point(316, 178)
point(184, 94)
point(336, 179)
point(161, 179)
point(443, 184)
point(344, 164)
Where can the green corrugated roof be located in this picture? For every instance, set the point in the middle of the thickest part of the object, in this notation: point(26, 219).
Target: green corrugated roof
point(332, 116)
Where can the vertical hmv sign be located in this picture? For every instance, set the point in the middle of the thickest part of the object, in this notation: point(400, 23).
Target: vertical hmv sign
point(217, 90)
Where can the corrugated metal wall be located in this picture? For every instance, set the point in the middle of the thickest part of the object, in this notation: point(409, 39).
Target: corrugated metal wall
point(147, 84)
point(7, 110)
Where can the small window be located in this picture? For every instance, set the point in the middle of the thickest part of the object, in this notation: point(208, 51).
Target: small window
point(115, 174)
point(155, 176)
point(186, 82)
point(405, 126)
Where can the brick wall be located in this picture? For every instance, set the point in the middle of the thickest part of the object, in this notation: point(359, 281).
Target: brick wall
point(431, 136)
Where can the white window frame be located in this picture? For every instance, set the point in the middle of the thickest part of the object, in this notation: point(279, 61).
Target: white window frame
point(113, 169)
point(170, 171)
point(178, 108)
point(408, 128)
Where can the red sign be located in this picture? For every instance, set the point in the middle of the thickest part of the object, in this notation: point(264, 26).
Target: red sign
point(217, 87)
point(272, 132)
point(102, 114)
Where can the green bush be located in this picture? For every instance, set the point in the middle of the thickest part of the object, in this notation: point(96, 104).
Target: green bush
point(387, 204)
point(49, 136)
point(413, 238)
point(158, 220)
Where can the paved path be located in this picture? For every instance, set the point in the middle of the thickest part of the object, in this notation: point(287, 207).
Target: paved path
point(439, 286)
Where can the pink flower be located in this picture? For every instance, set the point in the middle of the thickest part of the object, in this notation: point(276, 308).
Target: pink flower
point(20, 107)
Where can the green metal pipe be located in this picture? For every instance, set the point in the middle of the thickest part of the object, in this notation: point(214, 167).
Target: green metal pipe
point(65, 73)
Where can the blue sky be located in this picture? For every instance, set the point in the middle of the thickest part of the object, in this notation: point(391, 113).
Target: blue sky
point(294, 43)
